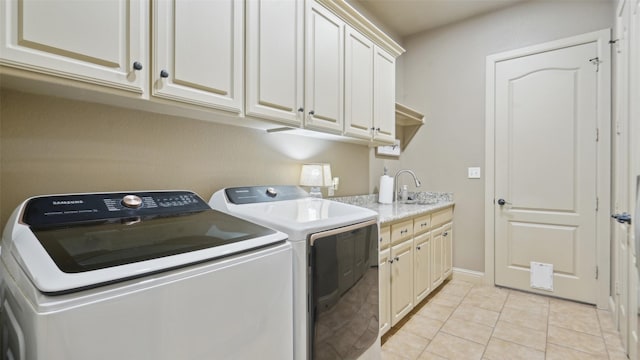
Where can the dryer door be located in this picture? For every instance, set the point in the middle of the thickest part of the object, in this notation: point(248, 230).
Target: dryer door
point(343, 291)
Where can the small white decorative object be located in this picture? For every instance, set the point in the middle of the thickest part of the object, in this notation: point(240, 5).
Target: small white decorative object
point(316, 176)
point(389, 150)
point(541, 276)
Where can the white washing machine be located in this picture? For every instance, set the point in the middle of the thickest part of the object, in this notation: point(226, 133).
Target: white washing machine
point(148, 275)
point(335, 247)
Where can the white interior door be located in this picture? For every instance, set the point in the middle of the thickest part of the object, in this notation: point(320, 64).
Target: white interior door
point(546, 169)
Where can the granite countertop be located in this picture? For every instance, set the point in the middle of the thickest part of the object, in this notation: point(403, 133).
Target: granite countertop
point(425, 202)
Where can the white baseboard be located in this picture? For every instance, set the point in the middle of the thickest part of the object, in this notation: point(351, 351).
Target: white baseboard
point(474, 277)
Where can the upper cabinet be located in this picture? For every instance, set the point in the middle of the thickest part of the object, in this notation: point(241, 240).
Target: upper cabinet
point(274, 60)
point(313, 64)
point(324, 70)
point(99, 42)
point(197, 52)
point(359, 85)
point(384, 99)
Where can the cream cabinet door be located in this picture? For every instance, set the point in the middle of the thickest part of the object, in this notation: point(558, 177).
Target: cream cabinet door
point(384, 96)
point(384, 272)
point(422, 269)
point(324, 70)
point(437, 263)
point(198, 52)
point(447, 250)
point(358, 85)
point(274, 56)
point(99, 42)
point(401, 280)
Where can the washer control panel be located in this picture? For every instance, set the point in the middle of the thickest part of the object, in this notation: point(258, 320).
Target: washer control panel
point(75, 208)
point(258, 194)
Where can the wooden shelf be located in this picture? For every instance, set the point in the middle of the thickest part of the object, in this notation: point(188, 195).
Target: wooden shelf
point(406, 116)
point(408, 121)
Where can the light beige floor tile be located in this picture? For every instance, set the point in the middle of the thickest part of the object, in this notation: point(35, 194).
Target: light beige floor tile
point(422, 326)
point(390, 355)
point(484, 302)
point(617, 355)
point(583, 320)
point(505, 350)
point(407, 345)
point(529, 319)
point(447, 299)
point(456, 288)
point(453, 347)
point(436, 311)
point(576, 340)
point(475, 314)
point(430, 356)
point(613, 342)
point(606, 321)
point(566, 306)
point(536, 339)
point(556, 352)
point(489, 291)
point(468, 330)
point(527, 302)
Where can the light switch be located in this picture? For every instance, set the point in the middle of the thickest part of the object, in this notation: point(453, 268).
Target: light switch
point(474, 173)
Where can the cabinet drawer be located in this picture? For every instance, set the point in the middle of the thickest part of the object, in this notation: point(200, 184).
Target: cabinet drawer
point(442, 216)
point(385, 237)
point(401, 231)
point(421, 224)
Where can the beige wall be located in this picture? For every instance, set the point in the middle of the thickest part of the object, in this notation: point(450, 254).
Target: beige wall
point(444, 77)
point(50, 145)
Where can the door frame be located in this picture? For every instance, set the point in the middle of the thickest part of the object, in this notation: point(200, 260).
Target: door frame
point(603, 181)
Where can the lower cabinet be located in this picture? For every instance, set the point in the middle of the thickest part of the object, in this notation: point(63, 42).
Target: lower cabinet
point(437, 264)
point(422, 267)
point(415, 258)
point(384, 271)
point(401, 280)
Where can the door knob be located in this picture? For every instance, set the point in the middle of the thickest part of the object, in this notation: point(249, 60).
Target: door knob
point(622, 218)
point(502, 202)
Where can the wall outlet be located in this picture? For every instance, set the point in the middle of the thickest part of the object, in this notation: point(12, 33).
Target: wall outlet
point(474, 173)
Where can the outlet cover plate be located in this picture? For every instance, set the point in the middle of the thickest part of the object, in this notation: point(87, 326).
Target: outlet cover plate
point(474, 173)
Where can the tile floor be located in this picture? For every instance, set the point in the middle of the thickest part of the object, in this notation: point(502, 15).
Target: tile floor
point(465, 321)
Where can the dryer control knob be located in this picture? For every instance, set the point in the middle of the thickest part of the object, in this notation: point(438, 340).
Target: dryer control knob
point(132, 201)
point(271, 192)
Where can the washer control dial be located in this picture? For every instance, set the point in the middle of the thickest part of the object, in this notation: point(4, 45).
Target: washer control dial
point(132, 201)
point(271, 192)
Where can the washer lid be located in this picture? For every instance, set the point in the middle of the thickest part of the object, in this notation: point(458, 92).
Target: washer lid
point(64, 257)
point(301, 217)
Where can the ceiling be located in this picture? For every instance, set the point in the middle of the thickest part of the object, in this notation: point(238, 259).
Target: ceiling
point(407, 17)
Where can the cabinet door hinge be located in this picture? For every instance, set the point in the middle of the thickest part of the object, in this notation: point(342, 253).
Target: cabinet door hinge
point(597, 203)
point(597, 134)
point(597, 273)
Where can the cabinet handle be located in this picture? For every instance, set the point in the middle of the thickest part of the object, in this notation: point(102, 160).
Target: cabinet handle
point(164, 74)
point(397, 258)
point(301, 109)
point(424, 224)
point(418, 247)
point(312, 112)
point(380, 239)
point(404, 231)
point(137, 66)
point(390, 261)
point(377, 129)
point(445, 233)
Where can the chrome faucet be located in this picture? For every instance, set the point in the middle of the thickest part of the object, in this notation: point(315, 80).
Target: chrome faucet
point(395, 182)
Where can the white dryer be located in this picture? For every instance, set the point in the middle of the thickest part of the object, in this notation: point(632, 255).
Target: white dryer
point(147, 275)
point(335, 267)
